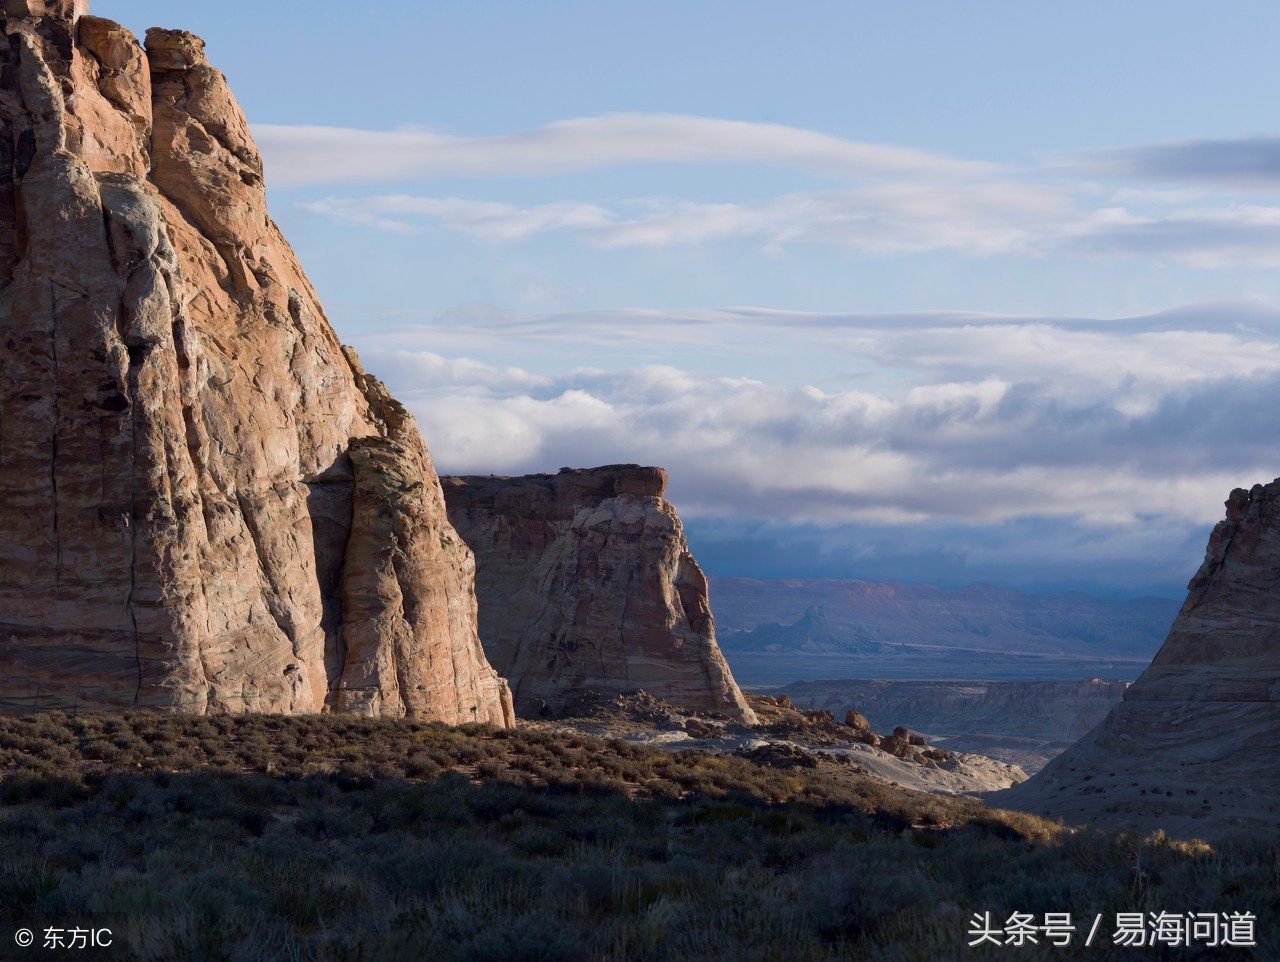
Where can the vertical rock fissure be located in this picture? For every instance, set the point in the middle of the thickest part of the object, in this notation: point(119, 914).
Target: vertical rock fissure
point(269, 592)
point(53, 448)
point(131, 519)
point(187, 391)
point(622, 626)
point(406, 592)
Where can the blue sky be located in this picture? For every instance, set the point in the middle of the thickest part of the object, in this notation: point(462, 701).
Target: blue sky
point(928, 291)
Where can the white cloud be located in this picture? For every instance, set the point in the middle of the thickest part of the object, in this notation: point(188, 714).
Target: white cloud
point(980, 218)
point(486, 220)
point(977, 219)
point(893, 201)
point(1204, 237)
point(993, 420)
point(307, 155)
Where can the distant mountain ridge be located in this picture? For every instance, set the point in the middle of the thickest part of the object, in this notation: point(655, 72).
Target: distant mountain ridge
point(1024, 723)
point(830, 616)
point(813, 633)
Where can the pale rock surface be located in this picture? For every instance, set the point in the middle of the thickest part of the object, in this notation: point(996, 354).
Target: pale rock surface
point(586, 585)
point(1193, 748)
point(960, 774)
point(63, 9)
point(207, 505)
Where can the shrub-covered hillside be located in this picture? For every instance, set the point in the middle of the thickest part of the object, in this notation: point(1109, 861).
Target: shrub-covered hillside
point(333, 838)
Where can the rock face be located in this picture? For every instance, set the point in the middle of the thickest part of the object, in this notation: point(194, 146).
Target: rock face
point(586, 585)
point(65, 9)
point(1193, 747)
point(207, 504)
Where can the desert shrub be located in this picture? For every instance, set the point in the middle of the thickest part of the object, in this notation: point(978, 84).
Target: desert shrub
point(532, 937)
point(347, 838)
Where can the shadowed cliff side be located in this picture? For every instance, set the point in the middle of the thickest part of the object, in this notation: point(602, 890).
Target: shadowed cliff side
point(586, 585)
point(207, 505)
point(1193, 747)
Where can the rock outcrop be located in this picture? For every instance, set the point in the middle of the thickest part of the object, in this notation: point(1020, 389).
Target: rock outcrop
point(207, 504)
point(1193, 748)
point(1024, 722)
point(586, 585)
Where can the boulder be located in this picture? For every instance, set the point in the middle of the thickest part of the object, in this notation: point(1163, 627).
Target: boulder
point(855, 719)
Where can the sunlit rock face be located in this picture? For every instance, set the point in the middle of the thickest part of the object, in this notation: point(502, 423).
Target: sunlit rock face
point(62, 9)
point(586, 584)
point(1193, 747)
point(207, 504)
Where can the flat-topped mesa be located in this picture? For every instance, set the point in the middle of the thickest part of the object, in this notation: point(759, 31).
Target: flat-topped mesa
point(1202, 723)
point(586, 586)
point(207, 504)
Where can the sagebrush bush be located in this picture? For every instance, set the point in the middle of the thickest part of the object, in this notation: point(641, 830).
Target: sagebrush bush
point(356, 839)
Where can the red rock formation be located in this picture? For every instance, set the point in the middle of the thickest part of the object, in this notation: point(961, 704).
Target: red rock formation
point(586, 584)
point(1192, 748)
point(207, 505)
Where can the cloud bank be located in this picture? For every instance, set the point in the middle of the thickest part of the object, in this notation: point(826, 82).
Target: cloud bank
point(977, 219)
point(847, 437)
point(981, 218)
point(889, 199)
point(1102, 435)
point(307, 155)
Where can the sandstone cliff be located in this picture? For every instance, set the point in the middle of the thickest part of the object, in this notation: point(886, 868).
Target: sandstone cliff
point(1192, 748)
point(586, 584)
point(207, 504)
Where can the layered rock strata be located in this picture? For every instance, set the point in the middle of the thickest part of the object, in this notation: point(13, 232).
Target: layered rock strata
point(586, 585)
point(1193, 747)
point(207, 504)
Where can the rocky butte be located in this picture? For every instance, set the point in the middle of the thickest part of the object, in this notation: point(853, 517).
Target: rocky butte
point(207, 504)
point(586, 585)
point(1192, 748)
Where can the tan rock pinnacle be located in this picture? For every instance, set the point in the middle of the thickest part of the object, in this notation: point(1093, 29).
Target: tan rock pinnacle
point(586, 584)
point(205, 503)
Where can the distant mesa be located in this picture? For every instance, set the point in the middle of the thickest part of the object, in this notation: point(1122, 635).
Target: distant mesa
point(837, 614)
point(586, 585)
point(1194, 748)
point(814, 632)
point(208, 506)
point(774, 632)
